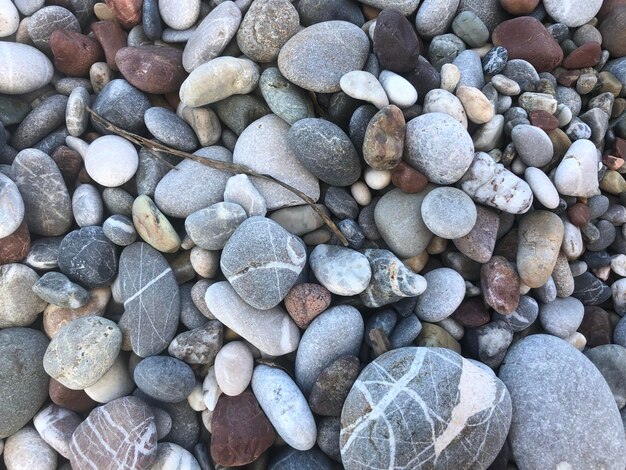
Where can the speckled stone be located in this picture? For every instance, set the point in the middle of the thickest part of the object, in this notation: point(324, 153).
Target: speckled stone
point(445, 290)
point(40, 122)
point(121, 104)
point(165, 378)
point(342, 271)
point(332, 386)
point(286, 100)
point(306, 301)
point(443, 222)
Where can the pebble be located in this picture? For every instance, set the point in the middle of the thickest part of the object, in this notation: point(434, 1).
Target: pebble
point(170, 129)
point(445, 290)
point(15, 247)
point(543, 189)
point(399, 90)
point(152, 69)
point(366, 403)
point(153, 227)
point(55, 425)
point(495, 60)
point(439, 147)
point(442, 101)
point(501, 285)
point(134, 444)
point(578, 418)
point(111, 161)
point(179, 18)
point(576, 174)
point(164, 378)
point(233, 368)
point(443, 222)
point(285, 99)
point(173, 456)
point(30, 69)
point(9, 18)
point(444, 49)
point(241, 432)
point(332, 386)
point(306, 301)
point(561, 317)
point(384, 139)
point(342, 271)
point(26, 449)
point(56, 289)
point(12, 207)
point(210, 228)
point(396, 45)
point(470, 67)
point(317, 57)
point(87, 206)
point(115, 383)
point(271, 331)
point(480, 242)
point(364, 86)
point(434, 17)
point(325, 150)
point(573, 13)
point(40, 122)
point(285, 406)
point(533, 145)
point(120, 230)
point(470, 28)
point(289, 458)
point(47, 20)
point(610, 359)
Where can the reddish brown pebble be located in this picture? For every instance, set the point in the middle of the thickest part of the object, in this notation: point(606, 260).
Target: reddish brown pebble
point(620, 147)
point(69, 162)
point(612, 162)
point(480, 242)
point(74, 53)
point(526, 38)
point(596, 326)
point(587, 55)
point(501, 285)
point(567, 77)
point(472, 313)
point(608, 6)
point(127, 12)
point(408, 179)
point(579, 214)
point(55, 318)
point(519, 7)
point(304, 302)
point(240, 430)
point(14, 248)
point(153, 69)
point(544, 120)
point(384, 139)
point(112, 38)
point(75, 400)
point(613, 30)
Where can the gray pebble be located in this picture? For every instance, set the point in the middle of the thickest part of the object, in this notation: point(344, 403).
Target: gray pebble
point(40, 122)
point(57, 289)
point(87, 206)
point(170, 129)
point(285, 99)
point(165, 378)
point(121, 104)
point(210, 228)
point(120, 230)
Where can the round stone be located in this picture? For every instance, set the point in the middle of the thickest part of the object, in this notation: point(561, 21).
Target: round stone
point(444, 222)
point(391, 400)
point(120, 230)
point(210, 228)
point(74, 53)
point(445, 290)
point(55, 288)
point(26, 69)
point(23, 380)
point(285, 99)
point(165, 378)
point(342, 271)
point(435, 16)
point(170, 129)
point(572, 13)
point(11, 206)
point(19, 305)
point(111, 160)
point(179, 18)
point(533, 145)
point(88, 257)
point(318, 56)
point(233, 368)
point(9, 18)
point(561, 317)
point(26, 449)
point(153, 69)
point(306, 301)
point(438, 146)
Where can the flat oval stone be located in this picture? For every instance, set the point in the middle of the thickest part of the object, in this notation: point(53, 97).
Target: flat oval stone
point(218, 79)
point(263, 146)
point(74, 53)
point(286, 100)
point(542, 187)
point(533, 145)
point(332, 386)
point(47, 20)
point(212, 35)
point(435, 16)
point(325, 150)
point(179, 18)
point(121, 104)
point(81, 353)
point(26, 70)
point(55, 288)
point(561, 317)
point(593, 428)
point(527, 39)
point(10, 18)
point(443, 222)
point(165, 378)
point(445, 290)
point(23, 380)
point(240, 430)
point(152, 69)
point(285, 406)
point(260, 246)
point(40, 122)
point(342, 271)
point(170, 129)
point(11, 207)
point(233, 368)
point(76, 115)
point(111, 160)
point(267, 26)
point(399, 90)
point(193, 186)
point(210, 228)
point(439, 147)
point(55, 425)
point(87, 206)
point(147, 279)
point(26, 449)
point(318, 56)
point(364, 86)
point(480, 242)
point(133, 445)
point(394, 381)
point(574, 13)
point(396, 45)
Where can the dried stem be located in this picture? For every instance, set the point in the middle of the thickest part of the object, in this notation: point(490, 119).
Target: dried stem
point(218, 165)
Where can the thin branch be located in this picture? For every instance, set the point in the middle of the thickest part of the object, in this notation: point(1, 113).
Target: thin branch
point(218, 165)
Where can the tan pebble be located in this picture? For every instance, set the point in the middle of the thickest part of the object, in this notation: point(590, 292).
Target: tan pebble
point(477, 107)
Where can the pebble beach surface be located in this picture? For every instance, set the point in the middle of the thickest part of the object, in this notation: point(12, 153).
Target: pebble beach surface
point(439, 282)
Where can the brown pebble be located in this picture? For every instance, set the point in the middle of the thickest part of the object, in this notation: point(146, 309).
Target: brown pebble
point(408, 179)
point(55, 318)
point(544, 120)
point(153, 69)
point(612, 162)
point(596, 326)
point(613, 30)
point(69, 162)
point(14, 248)
point(479, 243)
point(587, 55)
point(240, 430)
point(112, 38)
point(472, 313)
point(501, 285)
point(74, 53)
point(384, 139)
point(127, 12)
point(519, 7)
point(567, 77)
point(75, 400)
point(608, 6)
point(370, 13)
point(620, 147)
point(579, 214)
point(306, 301)
point(526, 38)
point(332, 386)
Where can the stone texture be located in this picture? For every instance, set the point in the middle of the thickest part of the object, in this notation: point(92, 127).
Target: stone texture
point(199, 345)
point(341, 270)
point(443, 222)
point(19, 305)
point(57, 289)
point(121, 104)
point(55, 425)
point(391, 401)
point(395, 43)
point(332, 386)
point(74, 400)
point(384, 139)
point(47, 20)
point(26, 449)
point(152, 69)
point(573, 13)
point(112, 38)
point(288, 101)
point(74, 53)
point(55, 318)
point(166, 379)
point(445, 290)
point(306, 301)
point(29, 68)
point(501, 285)
point(14, 248)
point(480, 242)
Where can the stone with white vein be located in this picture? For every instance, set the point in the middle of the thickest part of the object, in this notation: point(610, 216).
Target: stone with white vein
point(428, 405)
point(174, 457)
point(56, 425)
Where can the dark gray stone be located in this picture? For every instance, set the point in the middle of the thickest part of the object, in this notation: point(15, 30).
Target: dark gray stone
point(332, 386)
point(318, 11)
point(53, 141)
point(367, 222)
point(152, 168)
point(289, 458)
point(325, 150)
point(40, 122)
point(286, 100)
point(151, 299)
point(610, 359)
point(239, 111)
point(488, 343)
point(444, 49)
point(44, 253)
point(392, 402)
point(55, 288)
point(166, 126)
point(524, 315)
point(522, 72)
point(151, 20)
point(23, 380)
point(190, 315)
point(88, 257)
point(120, 230)
point(405, 332)
point(384, 320)
point(358, 124)
point(350, 229)
point(590, 290)
point(118, 201)
point(121, 104)
point(262, 261)
point(46, 199)
point(328, 430)
point(495, 60)
point(489, 11)
point(541, 367)
point(341, 203)
point(164, 378)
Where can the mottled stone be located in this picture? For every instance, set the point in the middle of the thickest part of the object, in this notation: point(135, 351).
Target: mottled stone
point(199, 345)
point(342, 271)
point(15, 247)
point(306, 301)
point(55, 425)
point(285, 99)
point(26, 449)
point(383, 410)
point(501, 285)
point(332, 386)
point(47, 20)
point(152, 69)
point(443, 222)
point(74, 53)
point(540, 237)
point(57, 289)
point(472, 313)
point(384, 139)
point(480, 242)
point(134, 446)
point(590, 290)
point(19, 305)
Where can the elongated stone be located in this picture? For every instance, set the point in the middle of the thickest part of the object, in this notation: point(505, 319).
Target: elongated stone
point(26, 69)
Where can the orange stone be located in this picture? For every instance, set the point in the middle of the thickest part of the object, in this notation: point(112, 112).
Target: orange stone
point(304, 302)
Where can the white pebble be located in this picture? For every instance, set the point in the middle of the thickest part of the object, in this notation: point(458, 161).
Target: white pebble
point(77, 144)
point(618, 265)
point(210, 390)
point(399, 90)
point(577, 340)
point(450, 77)
point(196, 398)
point(9, 18)
point(543, 189)
point(364, 86)
point(114, 384)
point(179, 15)
point(87, 206)
point(111, 161)
point(377, 179)
point(233, 368)
point(27, 450)
point(361, 193)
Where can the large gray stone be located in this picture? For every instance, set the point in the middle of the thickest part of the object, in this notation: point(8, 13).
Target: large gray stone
point(151, 299)
point(286, 100)
point(121, 104)
point(610, 359)
point(262, 261)
point(11, 205)
point(431, 408)
point(19, 305)
point(557, 391)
